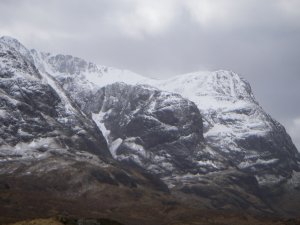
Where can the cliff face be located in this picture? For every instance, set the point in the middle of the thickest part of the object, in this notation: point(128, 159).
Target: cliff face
point(37, 117)
point(236, 126)
point(236, 130)
point(160, 131)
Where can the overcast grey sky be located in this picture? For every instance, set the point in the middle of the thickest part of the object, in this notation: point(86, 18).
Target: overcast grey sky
point(259, 39)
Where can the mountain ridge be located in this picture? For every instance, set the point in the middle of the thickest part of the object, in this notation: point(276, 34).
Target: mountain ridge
point(231, 115)
point(217, 92)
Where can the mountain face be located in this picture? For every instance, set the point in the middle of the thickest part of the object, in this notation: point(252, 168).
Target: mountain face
point(236, 126)
point(160, 131)
point(237, 132)
point(70, 128)
point(36, 118)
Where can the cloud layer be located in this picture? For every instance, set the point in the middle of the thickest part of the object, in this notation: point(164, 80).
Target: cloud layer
point(161, 38)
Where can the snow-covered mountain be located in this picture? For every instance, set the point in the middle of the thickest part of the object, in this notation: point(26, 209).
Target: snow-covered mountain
point(49, 149)
point(198, 132)
point(235, 126)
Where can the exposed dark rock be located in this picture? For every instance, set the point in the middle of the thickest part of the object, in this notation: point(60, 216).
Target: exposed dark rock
point(160, 131)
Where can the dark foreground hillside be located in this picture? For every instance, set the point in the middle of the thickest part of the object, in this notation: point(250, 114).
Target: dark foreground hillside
point(205, 219)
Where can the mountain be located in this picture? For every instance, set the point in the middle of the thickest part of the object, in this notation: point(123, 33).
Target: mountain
point(235, 127)
point(73, 131)
point(37, 115)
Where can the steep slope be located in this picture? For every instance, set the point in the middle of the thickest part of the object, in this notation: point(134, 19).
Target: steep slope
point(128, 109)
point(35, 118)
point(236, 126)
point(159, 130)
point(43, 130)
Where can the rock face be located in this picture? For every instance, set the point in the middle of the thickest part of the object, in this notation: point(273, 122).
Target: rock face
point(128, 115)
point(74, 129)
point(35, 118)
point(236, 126)
point(159, 130)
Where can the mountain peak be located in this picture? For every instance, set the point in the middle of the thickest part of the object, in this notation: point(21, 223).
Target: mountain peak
point(15, 44)
point(220, 85)
point(8, 39)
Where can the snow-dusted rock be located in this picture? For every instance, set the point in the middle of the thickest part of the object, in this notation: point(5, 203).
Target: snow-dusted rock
point(37, 117)
point(160, 131)
point(235, 127)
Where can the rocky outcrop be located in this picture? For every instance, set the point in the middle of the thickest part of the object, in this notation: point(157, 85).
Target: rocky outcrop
point(236, 126)
point(35, 118)
point(160, 131)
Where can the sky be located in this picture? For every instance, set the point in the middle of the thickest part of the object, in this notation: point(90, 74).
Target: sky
point(259, 39)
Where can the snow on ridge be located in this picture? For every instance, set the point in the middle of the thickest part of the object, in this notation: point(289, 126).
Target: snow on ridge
point(229, 110)
point(221, 96)
point(14, 43)
point(44, 68)
point(221, 85)
point(218, 84)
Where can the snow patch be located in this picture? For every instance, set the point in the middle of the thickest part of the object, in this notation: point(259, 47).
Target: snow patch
point(37, 148)
point(114, 146)
point(98, 119)
point(138, 149)
point(3, 113)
